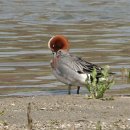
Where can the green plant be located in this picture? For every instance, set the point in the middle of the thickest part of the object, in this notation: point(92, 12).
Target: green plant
point(2, 113)
point(97, 87)
point(98, 126)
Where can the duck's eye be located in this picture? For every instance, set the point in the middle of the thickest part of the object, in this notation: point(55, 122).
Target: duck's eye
point(59, 52)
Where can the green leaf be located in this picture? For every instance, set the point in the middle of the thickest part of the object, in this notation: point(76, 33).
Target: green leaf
point(97, 89)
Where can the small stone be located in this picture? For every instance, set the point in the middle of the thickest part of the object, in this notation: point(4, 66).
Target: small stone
point(44, 108)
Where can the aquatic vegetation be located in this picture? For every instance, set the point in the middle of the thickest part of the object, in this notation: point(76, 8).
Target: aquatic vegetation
point(124, 74)
point(96, 87)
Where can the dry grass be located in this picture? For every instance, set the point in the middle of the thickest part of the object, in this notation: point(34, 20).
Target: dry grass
point(29, 118)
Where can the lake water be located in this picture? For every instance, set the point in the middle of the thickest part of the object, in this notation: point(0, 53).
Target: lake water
point(98, 31)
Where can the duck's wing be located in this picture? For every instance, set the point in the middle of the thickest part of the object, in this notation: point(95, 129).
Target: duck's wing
point(78, 64)
point(85, 67)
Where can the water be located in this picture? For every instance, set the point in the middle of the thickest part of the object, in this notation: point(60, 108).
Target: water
point(98, 31)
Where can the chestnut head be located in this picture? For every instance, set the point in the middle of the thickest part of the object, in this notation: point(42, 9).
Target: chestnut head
point(58, 42)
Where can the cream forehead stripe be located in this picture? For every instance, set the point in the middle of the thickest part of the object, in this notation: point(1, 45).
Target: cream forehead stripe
point(49, 42)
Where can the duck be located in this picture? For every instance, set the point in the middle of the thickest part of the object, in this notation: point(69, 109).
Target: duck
point(68, 68)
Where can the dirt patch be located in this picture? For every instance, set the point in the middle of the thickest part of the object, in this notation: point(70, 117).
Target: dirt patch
point(65, 112)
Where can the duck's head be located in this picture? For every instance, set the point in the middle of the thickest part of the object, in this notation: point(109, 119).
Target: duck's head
point(58, 42)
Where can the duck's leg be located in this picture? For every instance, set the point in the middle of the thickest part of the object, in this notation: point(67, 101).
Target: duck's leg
point(78, 88)
point(69, 89)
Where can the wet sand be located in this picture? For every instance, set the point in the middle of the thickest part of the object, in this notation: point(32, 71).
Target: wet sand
point(65, 112)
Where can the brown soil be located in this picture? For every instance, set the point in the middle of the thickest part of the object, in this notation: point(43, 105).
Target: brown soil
point(65, 112)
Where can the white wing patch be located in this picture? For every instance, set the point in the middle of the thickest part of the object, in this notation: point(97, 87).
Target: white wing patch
point(84, 77)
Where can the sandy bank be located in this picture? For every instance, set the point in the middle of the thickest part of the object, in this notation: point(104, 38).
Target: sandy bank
point(64, 112)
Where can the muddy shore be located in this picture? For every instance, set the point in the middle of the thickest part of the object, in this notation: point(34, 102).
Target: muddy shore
point(65, 112)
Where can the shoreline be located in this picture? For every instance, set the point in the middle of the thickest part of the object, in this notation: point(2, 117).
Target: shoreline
point(67, 112)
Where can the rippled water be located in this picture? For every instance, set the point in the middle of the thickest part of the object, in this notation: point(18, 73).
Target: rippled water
point(99, 31)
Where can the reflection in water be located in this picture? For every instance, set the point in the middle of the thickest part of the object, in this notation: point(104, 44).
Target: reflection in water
point(99, 31)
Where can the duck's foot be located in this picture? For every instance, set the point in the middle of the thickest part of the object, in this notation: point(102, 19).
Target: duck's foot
point(69, 90)
point(78, 88)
